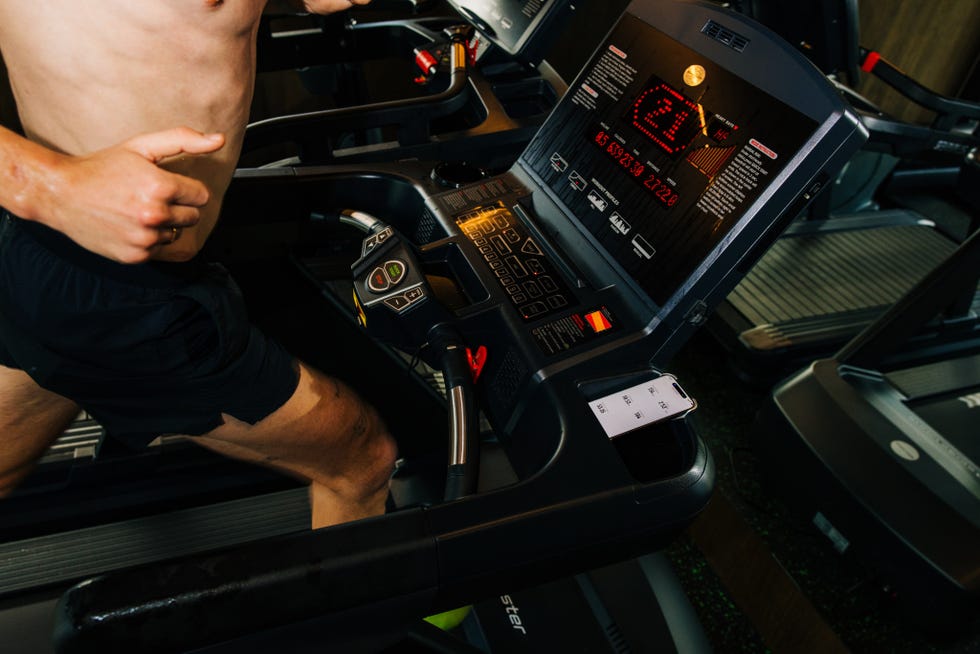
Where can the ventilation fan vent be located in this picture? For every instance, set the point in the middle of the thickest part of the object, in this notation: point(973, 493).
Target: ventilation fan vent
point(724, 35)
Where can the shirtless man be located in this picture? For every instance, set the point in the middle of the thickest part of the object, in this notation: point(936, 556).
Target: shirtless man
point(134, 113)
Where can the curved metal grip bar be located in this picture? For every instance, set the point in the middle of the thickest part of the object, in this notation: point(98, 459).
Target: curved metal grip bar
point(405, 112)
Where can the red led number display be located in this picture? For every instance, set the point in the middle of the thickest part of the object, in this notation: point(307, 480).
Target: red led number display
point(617, 152)
point(663, 192)
point(666, 117)
point(636, 169)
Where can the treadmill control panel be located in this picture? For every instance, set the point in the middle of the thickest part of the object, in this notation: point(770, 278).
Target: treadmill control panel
point(516, 259)
point(515, 25)
point(659, 152)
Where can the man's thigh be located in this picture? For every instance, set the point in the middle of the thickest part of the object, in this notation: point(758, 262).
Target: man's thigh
point(147, 349)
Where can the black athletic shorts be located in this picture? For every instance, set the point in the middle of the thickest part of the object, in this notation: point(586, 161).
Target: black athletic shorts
point(149, 349)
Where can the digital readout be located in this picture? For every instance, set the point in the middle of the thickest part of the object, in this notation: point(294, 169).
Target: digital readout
point(635, 169)
point(666, 116)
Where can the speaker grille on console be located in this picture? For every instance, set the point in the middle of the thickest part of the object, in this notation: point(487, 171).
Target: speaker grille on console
point(724, 35)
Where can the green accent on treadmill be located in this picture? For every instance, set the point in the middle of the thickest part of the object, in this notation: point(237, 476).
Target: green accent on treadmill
point(449, 620)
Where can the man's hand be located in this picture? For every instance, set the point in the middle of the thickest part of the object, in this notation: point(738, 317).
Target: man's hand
point(118, 202)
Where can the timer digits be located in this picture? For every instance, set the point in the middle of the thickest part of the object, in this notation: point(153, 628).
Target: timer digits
point(635, 169)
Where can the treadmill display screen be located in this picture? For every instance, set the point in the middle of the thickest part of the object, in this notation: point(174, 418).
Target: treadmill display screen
point(659, 152)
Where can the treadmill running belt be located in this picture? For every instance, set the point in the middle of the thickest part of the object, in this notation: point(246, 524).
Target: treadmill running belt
point(833, 280)
point(938, 378)
point(955, 417)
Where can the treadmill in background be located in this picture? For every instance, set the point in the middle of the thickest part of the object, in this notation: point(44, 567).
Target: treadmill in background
point(359, 87)
point(879, 445)
point(833, 273)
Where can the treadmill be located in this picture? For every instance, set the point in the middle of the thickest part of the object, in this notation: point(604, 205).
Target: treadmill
point(688, 140)
point(877, 445)
point(465, 83)
point(838, 268)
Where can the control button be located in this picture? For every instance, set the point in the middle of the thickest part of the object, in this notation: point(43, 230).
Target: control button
point(512, 288)
point(397, 302)
point(377, 281)
point(396, 271)
point(534, 309)
point(558, 163)
point(619, 223)
point(479, 242)
point(384, 235)
point(516, 266)
point(501, 221)
point(642, 247)
point(533, 290)
point(534, 266)
point(370, 243)
point(500, 244)
point(519, 298)
point(501, 272)
point(512, 236)
point(557, 301)
point(597, 201)
point(496, 264)
point(548, 284)
point(490, 257)
point(414, 294)
point(486, 249)
point(530, 247)
point(507, 281)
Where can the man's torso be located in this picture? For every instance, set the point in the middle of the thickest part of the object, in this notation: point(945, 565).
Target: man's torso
point(88, 75)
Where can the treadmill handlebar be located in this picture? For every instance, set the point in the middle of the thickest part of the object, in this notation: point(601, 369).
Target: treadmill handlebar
point(464, 424)
point(403, 111)
point(950, 110)
point(448, 351)
point(412, 562)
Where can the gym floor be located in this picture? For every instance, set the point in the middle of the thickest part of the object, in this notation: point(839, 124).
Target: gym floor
point(761, 578)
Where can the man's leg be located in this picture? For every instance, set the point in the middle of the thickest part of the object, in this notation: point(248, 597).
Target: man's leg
point(324, 434)
point(31, 418)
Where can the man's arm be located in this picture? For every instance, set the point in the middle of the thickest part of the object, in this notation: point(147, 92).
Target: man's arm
point(312, 6)
point(116, 202)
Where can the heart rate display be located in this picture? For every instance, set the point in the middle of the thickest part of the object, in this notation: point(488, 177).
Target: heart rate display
point(635, 169)
point(666, 116)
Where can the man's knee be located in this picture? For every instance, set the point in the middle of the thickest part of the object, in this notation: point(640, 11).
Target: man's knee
point(375, 454)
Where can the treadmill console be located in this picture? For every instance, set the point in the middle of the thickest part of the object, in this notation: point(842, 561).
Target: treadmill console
point(684, 146)
point(660, 151)
point(522, 28)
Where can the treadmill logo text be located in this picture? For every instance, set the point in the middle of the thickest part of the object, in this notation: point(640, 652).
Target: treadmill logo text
point(972, 401)
point(512, 611)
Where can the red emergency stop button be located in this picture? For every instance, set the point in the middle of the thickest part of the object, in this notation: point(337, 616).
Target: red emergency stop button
point(377, 281)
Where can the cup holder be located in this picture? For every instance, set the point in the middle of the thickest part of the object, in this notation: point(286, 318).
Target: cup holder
point(456, 174)
point(526, 98)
